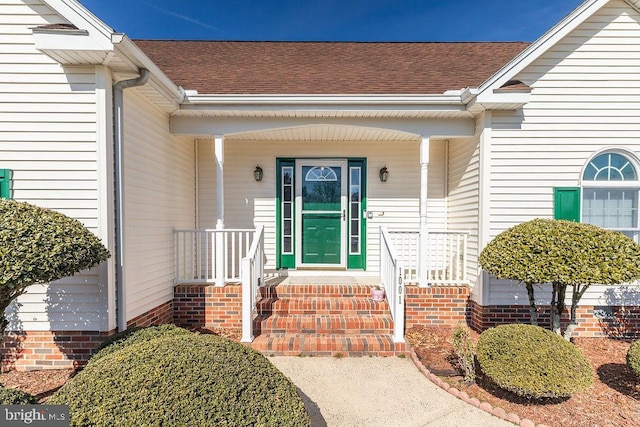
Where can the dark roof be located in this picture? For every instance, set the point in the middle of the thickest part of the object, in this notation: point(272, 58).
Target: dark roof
point(228, 67)
point(57, 27)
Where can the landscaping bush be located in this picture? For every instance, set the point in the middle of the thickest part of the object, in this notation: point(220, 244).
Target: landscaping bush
point(11, 396)
point(40, 245)
point(533, 362)
point(465, 351)
point(633, 358)
point(189, 379)
point(135, 335)
point(564, 254)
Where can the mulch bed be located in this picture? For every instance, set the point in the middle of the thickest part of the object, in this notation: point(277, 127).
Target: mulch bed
point(613, 400)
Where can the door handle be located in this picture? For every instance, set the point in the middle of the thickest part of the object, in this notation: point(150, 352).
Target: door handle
point(344, 215)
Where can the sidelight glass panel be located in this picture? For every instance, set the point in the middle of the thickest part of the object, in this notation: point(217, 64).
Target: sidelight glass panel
point(355, 203)
point(287, 210)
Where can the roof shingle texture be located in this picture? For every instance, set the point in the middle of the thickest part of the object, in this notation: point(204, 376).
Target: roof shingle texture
point(230, 67)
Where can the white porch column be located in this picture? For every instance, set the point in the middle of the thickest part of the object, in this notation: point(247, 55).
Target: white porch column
point(219, 158)
point(220, 249)
point(424, 236)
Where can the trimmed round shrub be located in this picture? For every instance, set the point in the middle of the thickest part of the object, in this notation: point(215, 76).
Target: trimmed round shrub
point(557, 251)
point(188, 379)
point(533, 362)
point(136, 335)
point(11, 396)
point(633, 358)
point(40, 245)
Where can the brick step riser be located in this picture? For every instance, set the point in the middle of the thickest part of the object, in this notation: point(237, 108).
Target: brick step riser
point(283, 311)
point(339, 306)
point(322, 345)
point(338, 325)
point(329, 291)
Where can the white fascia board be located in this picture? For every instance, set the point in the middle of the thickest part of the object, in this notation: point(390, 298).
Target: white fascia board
point(540, 46)
point(78, 15)
point(500, 101)
point(283, 103)
point(129, 52)
point(257, 100)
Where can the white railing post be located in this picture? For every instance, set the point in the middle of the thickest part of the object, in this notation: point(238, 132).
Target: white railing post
point(392, 278)
point(398, 321)
point(220, 252)
point(247, 309)
point(251, 271)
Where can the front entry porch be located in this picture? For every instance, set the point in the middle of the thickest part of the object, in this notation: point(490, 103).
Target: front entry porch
point(321, 311)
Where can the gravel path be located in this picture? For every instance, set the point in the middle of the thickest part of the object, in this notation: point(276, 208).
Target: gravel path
point(376, 391)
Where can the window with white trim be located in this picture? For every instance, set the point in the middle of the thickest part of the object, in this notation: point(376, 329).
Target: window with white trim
point(610, 190)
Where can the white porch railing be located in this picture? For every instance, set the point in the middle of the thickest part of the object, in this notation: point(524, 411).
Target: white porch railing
point(391, 278)
point(252, 268)
point(210, 256)
point(445, 260)
point(632, 233)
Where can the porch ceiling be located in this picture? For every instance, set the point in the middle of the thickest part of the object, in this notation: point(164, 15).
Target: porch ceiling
point(323, 132)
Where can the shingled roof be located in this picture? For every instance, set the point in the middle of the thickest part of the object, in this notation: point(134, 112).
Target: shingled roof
point(231, 67)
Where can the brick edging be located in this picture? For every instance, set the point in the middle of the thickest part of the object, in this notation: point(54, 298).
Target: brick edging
point(455, 392)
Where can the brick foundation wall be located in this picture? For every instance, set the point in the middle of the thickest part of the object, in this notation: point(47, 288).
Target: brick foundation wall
point(593, 321)
point(437, 305)
point(31, 350)
point(209, 306)
point(160, 315)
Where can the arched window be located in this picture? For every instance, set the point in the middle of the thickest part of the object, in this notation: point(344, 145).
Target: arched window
point(610, 190)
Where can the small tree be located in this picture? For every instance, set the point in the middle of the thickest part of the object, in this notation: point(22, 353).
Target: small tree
point(39, 245)
point(564, 254)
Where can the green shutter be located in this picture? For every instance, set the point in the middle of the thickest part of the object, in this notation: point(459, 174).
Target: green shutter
point(5, 183)
point(567, 203)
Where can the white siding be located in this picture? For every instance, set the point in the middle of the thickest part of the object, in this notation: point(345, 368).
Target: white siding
point(463, 195)
point(48, 136)
point(160, 196)
point(585, 97)
point(395, 203)
point(206, 184)
point(504, 292)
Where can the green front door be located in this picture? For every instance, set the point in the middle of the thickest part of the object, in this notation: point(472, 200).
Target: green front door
point(321, 191)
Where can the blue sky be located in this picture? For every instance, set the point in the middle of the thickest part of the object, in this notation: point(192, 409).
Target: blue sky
point(333, 20)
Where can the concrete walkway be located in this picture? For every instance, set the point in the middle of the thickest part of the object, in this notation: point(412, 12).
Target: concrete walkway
point(376, 391)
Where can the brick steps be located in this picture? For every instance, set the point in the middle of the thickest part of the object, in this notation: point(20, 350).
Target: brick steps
point(323, 320)
point(322, 305)
point(325, 324)
point(327, 345)
point(299, 291)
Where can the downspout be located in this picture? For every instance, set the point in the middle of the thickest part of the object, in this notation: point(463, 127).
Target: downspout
point(118, 136)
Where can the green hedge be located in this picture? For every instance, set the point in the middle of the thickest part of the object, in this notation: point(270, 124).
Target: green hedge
point(533, 362)
point(189, 379)
point(556, 251)
point(11, 396)
point(135, 335)
point(633, 358)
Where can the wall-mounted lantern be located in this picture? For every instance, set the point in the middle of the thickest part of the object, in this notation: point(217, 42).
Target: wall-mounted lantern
point(257, 173)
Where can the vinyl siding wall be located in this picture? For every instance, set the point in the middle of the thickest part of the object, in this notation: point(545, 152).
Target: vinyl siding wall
point(463, 195)
point(585, 98)
point(395, 203)
point(160, 196)
point(48, 134)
